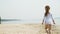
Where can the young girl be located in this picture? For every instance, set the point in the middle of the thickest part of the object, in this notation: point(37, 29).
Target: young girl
point(47, 19)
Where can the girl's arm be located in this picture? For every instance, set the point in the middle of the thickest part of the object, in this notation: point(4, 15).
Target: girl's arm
point(53, 19)
point(43, 20)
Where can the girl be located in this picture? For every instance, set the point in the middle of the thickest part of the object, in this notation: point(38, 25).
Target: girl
point(47, 19)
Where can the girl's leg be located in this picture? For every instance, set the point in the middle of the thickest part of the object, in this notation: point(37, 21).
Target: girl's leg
point(46, 27)
point(46, 31)
point(49, 29)
point(49, 32)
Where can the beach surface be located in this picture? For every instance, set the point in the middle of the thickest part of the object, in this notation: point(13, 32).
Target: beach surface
point(27, 29)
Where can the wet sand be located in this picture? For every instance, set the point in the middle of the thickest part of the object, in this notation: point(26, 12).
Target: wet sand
point(27, 29)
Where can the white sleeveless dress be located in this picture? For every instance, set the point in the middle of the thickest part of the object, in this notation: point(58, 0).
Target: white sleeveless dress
point(48, 19)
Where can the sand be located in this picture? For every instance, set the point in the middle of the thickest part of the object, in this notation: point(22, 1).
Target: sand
point(26, 29)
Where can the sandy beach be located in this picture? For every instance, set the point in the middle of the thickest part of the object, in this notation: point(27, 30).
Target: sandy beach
point(27, 29)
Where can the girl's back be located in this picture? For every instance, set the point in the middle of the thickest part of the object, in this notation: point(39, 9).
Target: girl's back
point(48, 18)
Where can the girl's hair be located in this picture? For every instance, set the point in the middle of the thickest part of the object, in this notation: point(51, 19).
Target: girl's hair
point(47, 10)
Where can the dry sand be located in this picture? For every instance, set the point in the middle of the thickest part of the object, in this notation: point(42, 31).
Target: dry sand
point(26, 29)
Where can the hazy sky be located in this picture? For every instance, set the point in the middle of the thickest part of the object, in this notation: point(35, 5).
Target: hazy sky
point(28, 9)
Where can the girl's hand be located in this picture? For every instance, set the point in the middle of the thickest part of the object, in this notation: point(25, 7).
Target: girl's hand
point(53, 22)
point(42, 23)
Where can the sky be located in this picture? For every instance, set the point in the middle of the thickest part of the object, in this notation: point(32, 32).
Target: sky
point(28, 9)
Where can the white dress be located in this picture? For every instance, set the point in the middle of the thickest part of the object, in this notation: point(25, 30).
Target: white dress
point(48, 19)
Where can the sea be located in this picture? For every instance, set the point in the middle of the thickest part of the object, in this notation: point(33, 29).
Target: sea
point(32, 21)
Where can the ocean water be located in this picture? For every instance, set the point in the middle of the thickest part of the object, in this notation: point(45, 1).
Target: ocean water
point(37, 21)
point(21, 22)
